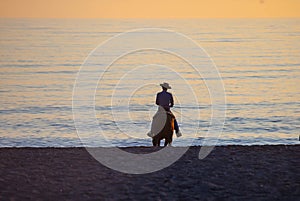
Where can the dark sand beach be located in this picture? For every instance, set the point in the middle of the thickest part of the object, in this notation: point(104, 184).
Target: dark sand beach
point(228, 173)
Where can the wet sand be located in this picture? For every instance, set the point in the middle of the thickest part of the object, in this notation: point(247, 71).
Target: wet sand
point(228, 173)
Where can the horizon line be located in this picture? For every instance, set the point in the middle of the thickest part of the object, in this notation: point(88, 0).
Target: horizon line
point(150, 18)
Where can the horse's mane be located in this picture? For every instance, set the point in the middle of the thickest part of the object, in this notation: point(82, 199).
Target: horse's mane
point(171, 114)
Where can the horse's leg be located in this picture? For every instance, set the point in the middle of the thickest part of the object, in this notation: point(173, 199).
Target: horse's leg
point(169, 139)
point(154, 141)
point(158, 142)
point(166, 141)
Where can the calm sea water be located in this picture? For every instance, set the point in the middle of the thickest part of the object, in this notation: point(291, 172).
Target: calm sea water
point(258, 60)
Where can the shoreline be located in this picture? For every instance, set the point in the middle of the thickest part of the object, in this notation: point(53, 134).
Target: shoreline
point(182, 141)
point(234, 172)
point(144, 146)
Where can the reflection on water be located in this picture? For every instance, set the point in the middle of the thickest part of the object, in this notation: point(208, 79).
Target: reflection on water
point(257, 59)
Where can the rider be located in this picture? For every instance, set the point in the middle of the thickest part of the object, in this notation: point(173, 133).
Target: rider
point(165, 100)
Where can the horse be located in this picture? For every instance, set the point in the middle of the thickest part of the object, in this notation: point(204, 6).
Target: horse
point(167, 131)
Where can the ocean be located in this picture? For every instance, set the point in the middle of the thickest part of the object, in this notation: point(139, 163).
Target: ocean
point(257, 60)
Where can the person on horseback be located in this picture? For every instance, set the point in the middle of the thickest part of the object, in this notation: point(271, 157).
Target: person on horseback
point(165, 100)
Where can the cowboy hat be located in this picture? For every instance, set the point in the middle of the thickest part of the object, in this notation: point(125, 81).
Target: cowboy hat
point(165, 85)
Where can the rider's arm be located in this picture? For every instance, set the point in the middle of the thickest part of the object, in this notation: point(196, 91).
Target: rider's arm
point(157, 102)
point(171, 101)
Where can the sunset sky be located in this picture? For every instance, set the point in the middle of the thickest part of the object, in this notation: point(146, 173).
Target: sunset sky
point(149, 8)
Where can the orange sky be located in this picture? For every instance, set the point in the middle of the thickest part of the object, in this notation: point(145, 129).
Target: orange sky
point(149, 8)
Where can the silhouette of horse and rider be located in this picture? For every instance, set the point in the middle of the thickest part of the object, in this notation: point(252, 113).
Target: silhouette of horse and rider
point(164, 122)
